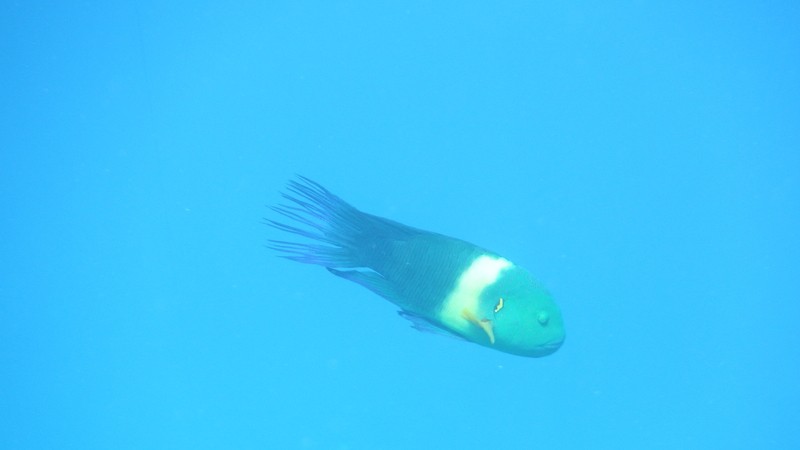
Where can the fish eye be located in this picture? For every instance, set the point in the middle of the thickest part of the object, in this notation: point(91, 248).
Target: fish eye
point(543, 317)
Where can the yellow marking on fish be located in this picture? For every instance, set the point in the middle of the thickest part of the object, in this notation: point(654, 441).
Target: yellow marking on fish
point(464, 300)
point(499, 305)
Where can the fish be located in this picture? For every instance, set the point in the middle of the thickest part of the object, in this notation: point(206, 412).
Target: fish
point(441, 284)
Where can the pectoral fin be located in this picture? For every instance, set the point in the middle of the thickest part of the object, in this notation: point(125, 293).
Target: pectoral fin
point(484, 324)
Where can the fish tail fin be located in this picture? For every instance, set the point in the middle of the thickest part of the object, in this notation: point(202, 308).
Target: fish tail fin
point(318, 215)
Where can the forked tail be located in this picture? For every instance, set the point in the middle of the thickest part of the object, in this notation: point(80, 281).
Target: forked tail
point(336, 227)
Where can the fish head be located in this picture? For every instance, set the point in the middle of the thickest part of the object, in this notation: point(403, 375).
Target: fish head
point(523, 318)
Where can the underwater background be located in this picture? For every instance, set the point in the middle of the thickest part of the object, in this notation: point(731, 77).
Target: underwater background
point(641, 159)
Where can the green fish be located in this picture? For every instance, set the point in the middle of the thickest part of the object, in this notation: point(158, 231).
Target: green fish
point(440, 284)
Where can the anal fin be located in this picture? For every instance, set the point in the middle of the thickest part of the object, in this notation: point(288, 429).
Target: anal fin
point(369, 279)
point(424, 325)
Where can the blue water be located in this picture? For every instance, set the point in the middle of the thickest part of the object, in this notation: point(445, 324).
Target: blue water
point(642, 160)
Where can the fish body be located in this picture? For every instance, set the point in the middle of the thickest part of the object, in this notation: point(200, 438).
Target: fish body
point(439, 283)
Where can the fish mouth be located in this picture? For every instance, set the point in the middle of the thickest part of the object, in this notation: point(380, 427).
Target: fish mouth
point(550, 347)
point(539, 350)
